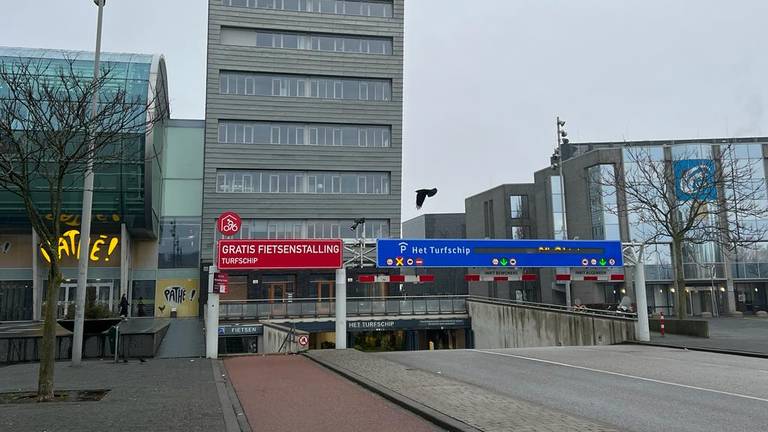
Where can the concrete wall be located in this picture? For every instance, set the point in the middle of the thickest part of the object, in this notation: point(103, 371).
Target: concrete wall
point(512, 326)
point(273, 338)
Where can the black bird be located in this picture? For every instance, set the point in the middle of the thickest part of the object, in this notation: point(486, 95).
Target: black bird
point(422, 194)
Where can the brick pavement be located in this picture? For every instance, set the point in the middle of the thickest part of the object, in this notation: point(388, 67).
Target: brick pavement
point(480, 408)
point(159, 395)
point(292, 393)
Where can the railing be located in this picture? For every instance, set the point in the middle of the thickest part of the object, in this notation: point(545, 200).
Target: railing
point(558, 308)
point(356, 306)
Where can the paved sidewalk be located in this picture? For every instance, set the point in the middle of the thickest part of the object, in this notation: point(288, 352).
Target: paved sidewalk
point(292, 393)
point(729, 334)
point(158, 395)
point(476, 407)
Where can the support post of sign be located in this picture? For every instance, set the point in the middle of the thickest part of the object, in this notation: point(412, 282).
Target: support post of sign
point(642, 328)
point(568, 293)
point(341, 308)
point(212, 318)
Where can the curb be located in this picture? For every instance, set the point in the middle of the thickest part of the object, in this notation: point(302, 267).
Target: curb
point(433, 416)
point(703, 349)
point(234, 416)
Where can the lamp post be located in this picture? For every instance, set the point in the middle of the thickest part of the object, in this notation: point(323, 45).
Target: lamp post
point(85, 227)
point(557, 163)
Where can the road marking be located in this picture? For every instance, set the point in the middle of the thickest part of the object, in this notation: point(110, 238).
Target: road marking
point(624, 375)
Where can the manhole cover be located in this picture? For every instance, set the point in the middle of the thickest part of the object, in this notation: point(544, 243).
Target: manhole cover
point(58, 396)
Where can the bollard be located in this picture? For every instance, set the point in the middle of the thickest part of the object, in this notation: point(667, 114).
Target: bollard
point(661, 323)
point(431, 345)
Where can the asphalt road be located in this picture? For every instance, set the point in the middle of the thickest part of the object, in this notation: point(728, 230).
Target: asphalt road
point(633, 388)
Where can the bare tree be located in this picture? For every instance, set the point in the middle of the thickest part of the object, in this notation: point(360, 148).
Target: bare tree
point(46, 126)
point(689, 200)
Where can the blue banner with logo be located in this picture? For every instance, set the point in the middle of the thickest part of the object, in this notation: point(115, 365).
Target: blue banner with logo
point(695, 180)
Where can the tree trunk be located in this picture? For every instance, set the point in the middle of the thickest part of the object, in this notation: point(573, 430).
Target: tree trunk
point(679, 275)
point(48, 345)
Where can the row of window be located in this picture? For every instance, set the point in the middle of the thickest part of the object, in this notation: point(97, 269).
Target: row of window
point(312, 182)
point(370, 8)
point(306, 41)
point(312, 228)
point(256, 84)
point(303, 134)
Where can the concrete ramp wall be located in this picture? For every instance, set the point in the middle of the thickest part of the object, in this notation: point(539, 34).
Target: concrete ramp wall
point(281, 339)
point(509, 325)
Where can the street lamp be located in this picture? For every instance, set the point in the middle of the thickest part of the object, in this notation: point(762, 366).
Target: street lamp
point(556, 161)
point(85, 228)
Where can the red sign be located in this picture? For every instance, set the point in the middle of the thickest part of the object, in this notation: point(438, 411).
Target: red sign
point(280, 254)
point(303, 340)
point(221, 283)
point(229, 223)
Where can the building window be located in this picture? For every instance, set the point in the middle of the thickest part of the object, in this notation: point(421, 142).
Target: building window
point(257, 84)
point(518, 205)
point(306, 41)
point(309, 228)
point(367, 8)
point(519, 232)
point(603, 203)
point(345, 135)
point(299, 182)
point(179, 245)
point(488, 225)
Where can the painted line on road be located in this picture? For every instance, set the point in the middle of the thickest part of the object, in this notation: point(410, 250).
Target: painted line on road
point(623, 375)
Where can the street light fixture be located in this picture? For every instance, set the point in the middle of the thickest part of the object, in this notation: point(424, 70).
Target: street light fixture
point(85, 228)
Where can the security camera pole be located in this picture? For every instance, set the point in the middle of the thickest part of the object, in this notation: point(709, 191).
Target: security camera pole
point(558, 160)
point(85, 227)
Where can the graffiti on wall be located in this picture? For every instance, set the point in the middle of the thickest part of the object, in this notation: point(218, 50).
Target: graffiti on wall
point(73, 220)
point(181, 294)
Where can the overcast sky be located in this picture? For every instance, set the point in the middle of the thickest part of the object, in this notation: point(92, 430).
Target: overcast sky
point(485, 79)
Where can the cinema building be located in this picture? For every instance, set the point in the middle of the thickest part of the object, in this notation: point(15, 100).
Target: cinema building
point(146, 213)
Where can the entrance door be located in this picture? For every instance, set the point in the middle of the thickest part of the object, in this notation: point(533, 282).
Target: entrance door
point(277, 291)
point(102, 293)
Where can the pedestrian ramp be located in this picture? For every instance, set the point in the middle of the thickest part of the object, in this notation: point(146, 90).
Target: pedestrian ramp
point(185, 338)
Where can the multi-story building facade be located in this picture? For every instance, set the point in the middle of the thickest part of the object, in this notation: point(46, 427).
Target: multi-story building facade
point(713, 277)
point(303, 130)
point(138, 249)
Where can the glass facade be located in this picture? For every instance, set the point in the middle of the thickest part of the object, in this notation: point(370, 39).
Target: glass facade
point(306, 41)
point(337, 135)
point(603, 205)
point(558, 212)
point(298, 182)
point(317, 87)
point(309, 228)
point(518, 206)
point(369, 8)
point(118, 185)
point(179, 245)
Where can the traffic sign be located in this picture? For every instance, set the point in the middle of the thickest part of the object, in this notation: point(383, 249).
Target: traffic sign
point(303, 340)
point(395, 253)
point(229, 223)
point(280, 254)
point(221, 283)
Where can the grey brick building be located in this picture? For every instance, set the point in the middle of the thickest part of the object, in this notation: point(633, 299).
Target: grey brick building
point(303, 126)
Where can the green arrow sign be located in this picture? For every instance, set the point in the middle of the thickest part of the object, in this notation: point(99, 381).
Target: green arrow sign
point(503, 261)
point(603, 261)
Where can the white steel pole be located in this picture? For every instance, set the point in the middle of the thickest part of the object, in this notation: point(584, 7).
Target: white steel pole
point(85, 227)
point(212, 318)
point(562, 205)
point(341, 308)
point(642, 330)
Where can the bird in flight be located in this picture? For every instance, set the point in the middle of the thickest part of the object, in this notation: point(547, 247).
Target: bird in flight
point(422, 194)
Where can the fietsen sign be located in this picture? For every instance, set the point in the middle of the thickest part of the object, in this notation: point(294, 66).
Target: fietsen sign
point(229, 223)
point(279, 254)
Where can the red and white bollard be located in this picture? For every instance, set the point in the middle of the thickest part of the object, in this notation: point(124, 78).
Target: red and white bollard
point(661, 323)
